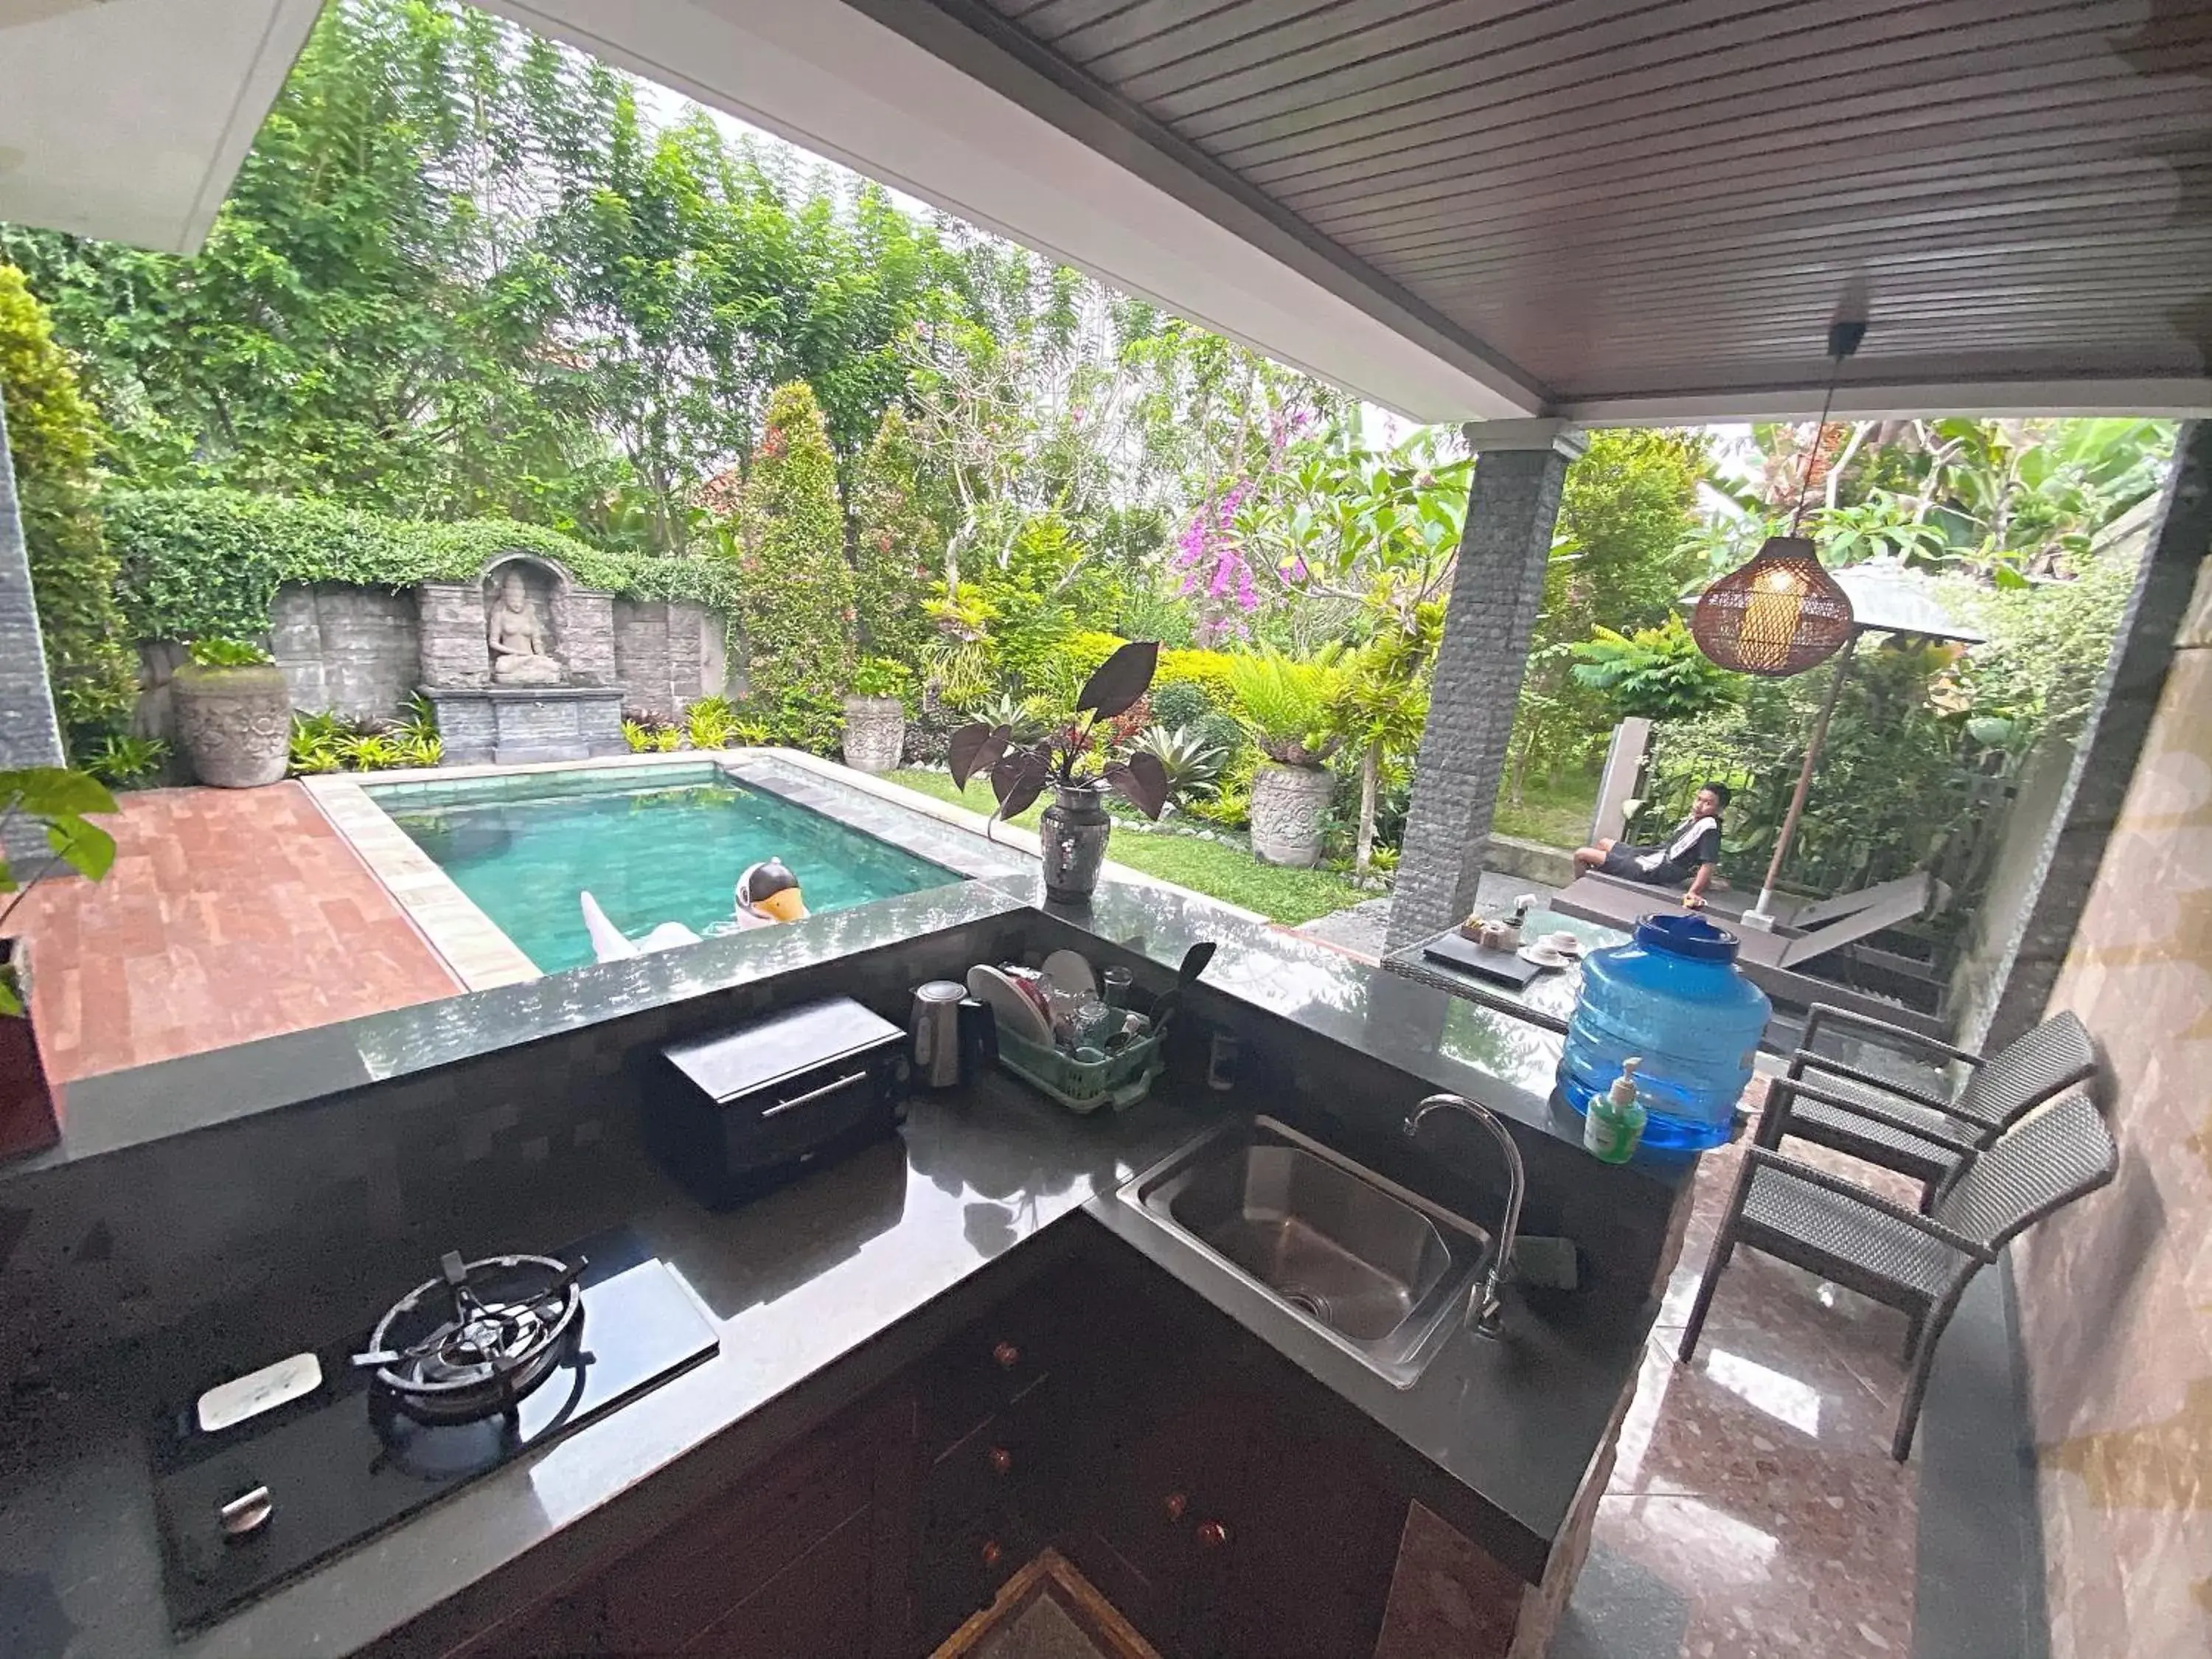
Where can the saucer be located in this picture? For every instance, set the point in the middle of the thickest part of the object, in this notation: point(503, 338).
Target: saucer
point(1544, 956)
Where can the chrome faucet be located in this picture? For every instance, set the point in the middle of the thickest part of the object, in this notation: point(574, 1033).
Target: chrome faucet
point(1486, 1308)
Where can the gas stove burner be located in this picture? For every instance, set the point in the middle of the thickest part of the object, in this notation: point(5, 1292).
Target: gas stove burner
point(470, 1343)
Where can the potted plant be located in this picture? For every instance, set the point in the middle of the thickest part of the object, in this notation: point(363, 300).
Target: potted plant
point(1080, 761)
point(48, 802)
point(234, 714)
point(875, 715)
point(1286, 705)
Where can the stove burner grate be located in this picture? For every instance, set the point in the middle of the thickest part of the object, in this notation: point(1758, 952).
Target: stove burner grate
point(499, 1328)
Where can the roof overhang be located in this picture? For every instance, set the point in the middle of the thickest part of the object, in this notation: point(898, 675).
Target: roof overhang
point(1604, 266)
point(128, 119)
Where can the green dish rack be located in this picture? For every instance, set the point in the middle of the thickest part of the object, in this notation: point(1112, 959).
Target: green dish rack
point(1119, 1081)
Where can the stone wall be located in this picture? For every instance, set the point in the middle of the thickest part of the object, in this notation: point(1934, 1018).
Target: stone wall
point(360, 651)
point(2114, 1293)
point(352, 651)
point(668, 653)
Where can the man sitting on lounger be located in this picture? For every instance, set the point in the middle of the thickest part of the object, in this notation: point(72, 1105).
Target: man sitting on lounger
point(1692, 852)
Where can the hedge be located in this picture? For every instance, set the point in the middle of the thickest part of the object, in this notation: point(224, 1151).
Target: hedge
point(1207, 669)
point(209, 561)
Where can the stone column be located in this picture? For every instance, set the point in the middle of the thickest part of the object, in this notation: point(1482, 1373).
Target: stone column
point(455, 654)
point(1512, 505)
point(584, 628)
point(29, 734)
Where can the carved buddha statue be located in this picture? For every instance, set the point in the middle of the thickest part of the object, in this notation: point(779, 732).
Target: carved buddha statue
point(521, 652)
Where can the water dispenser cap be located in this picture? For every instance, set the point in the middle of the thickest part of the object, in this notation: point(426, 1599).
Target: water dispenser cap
point(1687, 935)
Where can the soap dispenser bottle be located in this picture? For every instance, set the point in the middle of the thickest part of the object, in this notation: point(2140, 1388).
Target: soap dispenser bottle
point(1614, 1124)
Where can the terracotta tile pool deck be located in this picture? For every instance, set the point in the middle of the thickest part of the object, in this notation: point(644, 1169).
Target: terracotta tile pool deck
point(230, 914)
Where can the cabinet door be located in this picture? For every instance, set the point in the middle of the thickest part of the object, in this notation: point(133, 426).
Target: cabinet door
point(815, 1608)
point(1312, 1544)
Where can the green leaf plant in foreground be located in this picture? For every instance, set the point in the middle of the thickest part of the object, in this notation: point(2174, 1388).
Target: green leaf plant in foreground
point(57, 801)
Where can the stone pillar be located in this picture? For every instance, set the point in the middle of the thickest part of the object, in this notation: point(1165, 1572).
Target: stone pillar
point(641, 652)
point(455, 654)
point(30, 735)
point(1512, 505)
point(686, 637)
point(584, 628)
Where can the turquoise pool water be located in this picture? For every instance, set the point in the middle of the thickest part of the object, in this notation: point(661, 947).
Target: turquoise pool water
point(667, 846)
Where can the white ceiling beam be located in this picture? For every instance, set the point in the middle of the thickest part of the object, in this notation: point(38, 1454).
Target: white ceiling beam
point(128, 120)
point(2152, 397)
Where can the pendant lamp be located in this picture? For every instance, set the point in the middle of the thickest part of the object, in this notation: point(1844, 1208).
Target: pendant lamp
point(1781, 613)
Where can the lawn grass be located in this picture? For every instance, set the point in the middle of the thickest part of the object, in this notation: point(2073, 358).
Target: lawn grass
point(1555, 812)
point(1215, 868)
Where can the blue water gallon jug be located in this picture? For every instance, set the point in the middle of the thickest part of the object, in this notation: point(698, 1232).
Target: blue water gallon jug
point(1674, 995)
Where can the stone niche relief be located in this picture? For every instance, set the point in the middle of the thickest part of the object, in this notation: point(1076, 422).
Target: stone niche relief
point(520, 598)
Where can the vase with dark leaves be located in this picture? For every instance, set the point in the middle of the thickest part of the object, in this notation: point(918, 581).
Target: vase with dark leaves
point(1081, 762)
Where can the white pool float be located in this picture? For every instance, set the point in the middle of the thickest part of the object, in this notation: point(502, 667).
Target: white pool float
point(610, 944)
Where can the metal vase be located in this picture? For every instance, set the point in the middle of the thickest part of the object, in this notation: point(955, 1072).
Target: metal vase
point(1072, 835)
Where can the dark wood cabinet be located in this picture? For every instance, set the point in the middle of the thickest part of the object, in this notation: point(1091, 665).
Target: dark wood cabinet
point(808, 1557)
point(1211, 1494)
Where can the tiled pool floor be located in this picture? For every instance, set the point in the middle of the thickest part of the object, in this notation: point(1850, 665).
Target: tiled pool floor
point(230, 914)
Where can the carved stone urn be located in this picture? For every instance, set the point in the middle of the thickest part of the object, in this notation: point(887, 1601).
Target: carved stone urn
point(875, 733)
point(1289, 807)
point(234, 724)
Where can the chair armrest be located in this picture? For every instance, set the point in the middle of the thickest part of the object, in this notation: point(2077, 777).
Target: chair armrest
point(1828, 1012)
point(1791, 1087)
point(1804, 1058)
point(1857, 1195)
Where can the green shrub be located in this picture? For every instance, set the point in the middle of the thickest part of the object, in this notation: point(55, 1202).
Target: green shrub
point(316, 743)
point(1210, 670)
point(1287, 703)
point(1087, 650)
point(209, 561)
point(229, 653)
point(1656, 673)
point(896, 547)
point(55, 438)
point(796, 592)
point(1183, 703)
point(125, 762)
point(880, 676)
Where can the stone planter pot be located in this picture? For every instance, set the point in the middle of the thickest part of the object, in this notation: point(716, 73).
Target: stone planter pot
point(1288, 805)
point(29, 1120)
point(875, 733)
point(234, 724)
point(1072, 834)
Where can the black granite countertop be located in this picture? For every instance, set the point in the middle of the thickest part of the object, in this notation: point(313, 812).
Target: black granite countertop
point(819, 1293)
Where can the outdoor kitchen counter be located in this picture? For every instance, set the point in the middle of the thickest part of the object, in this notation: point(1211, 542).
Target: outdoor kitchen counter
point(820, 1292)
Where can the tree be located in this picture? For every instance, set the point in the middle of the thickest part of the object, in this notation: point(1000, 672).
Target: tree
point(896, 546)
point(796, 589)
point(55, 437)
point(1625, 514)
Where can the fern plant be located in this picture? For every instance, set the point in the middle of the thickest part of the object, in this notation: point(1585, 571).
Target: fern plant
point(1287, 703)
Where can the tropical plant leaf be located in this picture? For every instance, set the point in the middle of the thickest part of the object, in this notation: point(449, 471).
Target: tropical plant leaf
point(1141, 781)
point(976, 749)
point(1018, 779)
point(1114, 688)
point(52, 792)
point(85, 847)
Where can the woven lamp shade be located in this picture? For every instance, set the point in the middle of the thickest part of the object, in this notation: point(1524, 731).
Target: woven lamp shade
point(1779, 614)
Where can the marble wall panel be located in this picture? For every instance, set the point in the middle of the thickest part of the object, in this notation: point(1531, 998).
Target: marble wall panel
point(2116, 1294)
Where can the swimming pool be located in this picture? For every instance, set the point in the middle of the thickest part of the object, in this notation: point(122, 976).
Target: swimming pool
point(663, 845)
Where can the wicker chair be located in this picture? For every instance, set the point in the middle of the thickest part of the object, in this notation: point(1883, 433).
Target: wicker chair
point(1920, 1264)
point(1924, 1133)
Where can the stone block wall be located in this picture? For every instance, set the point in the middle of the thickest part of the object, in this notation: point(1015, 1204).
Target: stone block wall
point(584, 625)
point(354, 651)
point(668, 654)
point(451, 615)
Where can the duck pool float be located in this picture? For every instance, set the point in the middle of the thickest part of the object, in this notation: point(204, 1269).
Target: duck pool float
point(767, 894)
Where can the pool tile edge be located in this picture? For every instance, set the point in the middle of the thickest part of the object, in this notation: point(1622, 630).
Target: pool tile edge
point(469, 942)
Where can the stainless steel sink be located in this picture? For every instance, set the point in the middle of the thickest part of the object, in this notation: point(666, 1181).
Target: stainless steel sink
point(1381, 1272)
